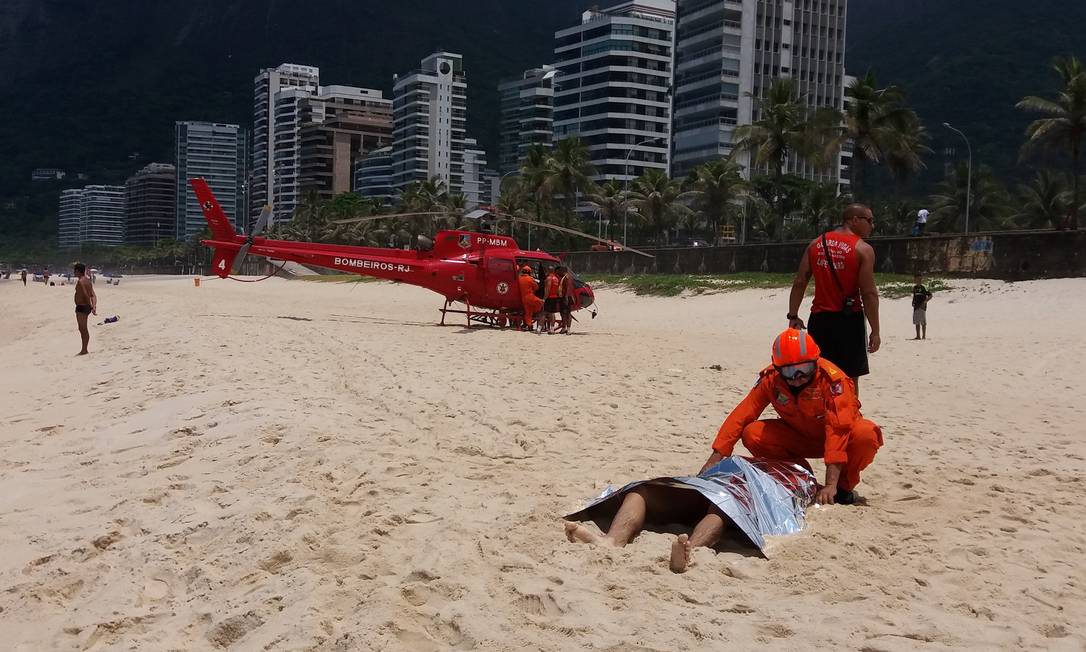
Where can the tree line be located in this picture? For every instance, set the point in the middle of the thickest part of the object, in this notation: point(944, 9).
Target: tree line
point(717, 200)
point(876, 128)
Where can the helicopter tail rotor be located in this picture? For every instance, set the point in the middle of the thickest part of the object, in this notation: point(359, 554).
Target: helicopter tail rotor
point(226, 258)
point(258, 228)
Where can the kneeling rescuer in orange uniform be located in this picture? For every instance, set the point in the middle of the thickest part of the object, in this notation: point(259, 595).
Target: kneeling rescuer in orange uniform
point(819, 417)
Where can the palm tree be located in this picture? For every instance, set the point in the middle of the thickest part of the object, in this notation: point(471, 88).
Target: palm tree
point(786, 127)
point(569, 171)
point(454, 209)
point(1064, 124)
point(881, 130)
point(347, 205)
point(310, 217)
point(989, 208)
point(656, 199)
point(533, 178)
point(1043, 202)
point(717, 189)
point(423, 197)
point(821, 206)
point(610, 201)
point(895, 217)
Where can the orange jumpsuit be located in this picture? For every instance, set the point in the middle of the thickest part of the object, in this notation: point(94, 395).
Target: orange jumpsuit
point(532, 303)
point(823, 420)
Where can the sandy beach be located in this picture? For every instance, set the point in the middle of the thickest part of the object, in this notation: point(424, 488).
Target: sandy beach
point(300, 466)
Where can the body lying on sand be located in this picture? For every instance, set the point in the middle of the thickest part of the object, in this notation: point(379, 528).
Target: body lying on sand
point(819, 416)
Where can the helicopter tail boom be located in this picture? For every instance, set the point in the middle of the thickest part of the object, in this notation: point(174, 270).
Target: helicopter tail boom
point(225, 240)
point(221, 228)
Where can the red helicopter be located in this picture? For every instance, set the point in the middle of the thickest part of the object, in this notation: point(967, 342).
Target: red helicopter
point(478, 270)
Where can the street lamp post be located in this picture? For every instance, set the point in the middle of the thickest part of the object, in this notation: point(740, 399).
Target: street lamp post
point(626, 191)
point(969, 174)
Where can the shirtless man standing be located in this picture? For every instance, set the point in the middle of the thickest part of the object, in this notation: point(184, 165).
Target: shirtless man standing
point(86, 303)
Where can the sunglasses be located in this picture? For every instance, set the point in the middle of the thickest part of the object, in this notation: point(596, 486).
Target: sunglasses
point(801, 370)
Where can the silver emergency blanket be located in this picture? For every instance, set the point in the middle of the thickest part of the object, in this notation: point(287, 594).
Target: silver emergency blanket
point(762, 497)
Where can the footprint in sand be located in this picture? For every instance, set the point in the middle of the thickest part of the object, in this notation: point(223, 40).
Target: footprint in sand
point(156, 588)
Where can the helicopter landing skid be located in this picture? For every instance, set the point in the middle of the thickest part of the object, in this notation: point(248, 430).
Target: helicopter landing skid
point(502, 318)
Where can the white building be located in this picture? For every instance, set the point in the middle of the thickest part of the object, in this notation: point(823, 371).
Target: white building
point(728, 52)
point(307, 136)
point(286, 151)
point(429, 121)
point(614, 81)
point(339, 126)
point(527, 115)
point(268, 83)
point(476, 191)
point(48, 174)
point(102, 216)
point(93, 215)
point(69, 218)
point(214, 152)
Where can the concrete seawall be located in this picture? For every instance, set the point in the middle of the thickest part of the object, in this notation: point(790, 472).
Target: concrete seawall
point(1012, 256)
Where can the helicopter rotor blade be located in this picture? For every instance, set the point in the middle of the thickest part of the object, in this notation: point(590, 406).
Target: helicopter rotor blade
point(240, 257)
point(258, 228)
point(515, 218)
point(371, 218)
point(262, 221)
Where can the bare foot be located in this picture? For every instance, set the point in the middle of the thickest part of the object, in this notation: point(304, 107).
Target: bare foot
point(680, 554)
point(577, 533)
point(81, 353)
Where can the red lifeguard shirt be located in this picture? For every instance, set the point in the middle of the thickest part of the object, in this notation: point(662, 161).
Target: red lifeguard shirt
point(829, 297)
point(552, 286)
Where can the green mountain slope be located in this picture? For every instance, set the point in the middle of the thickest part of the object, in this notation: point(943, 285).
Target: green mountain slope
point(95, 85)
point(967, 62)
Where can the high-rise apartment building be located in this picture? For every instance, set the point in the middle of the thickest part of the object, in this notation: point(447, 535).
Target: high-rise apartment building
point(286, 151)
point(69, 218)
point(269, 83)
point(93, 215)
point(151, 205)
point(614, 84)
point(213, 152)
point(729, 52)
point(338, 127)
point(429, 122)
point(475, 190)
point(527, 115)
point(102, 216)
point(373, 176)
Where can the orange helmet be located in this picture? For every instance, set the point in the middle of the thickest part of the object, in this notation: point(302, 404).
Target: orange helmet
point(525, 270)
point(794, 347)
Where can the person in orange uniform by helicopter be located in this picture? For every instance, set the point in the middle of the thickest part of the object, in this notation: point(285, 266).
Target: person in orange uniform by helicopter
point(532, 303)
point(819, 417)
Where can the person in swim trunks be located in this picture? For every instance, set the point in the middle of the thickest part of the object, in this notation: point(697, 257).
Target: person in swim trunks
point(86, 303)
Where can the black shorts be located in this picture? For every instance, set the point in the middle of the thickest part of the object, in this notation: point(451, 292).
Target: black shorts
point(842, 337)
point(551, 305)
point(81, 309)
